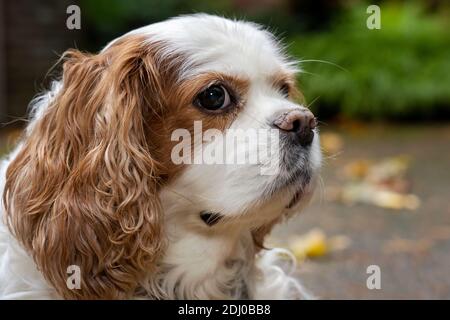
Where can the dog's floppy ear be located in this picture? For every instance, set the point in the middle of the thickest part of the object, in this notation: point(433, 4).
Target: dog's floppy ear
point(83, 189)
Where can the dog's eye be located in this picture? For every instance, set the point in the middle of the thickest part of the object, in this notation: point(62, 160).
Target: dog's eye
point(285, 90)
point(213, 98)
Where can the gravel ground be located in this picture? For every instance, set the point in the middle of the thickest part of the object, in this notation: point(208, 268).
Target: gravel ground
point(417, 270)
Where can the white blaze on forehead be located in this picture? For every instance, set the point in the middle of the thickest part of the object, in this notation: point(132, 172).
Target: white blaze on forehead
point(217, 44)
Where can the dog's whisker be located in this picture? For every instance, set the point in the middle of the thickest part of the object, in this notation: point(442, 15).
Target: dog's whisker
point(326, 62)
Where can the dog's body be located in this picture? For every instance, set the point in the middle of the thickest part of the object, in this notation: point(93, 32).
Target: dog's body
point(92, 183)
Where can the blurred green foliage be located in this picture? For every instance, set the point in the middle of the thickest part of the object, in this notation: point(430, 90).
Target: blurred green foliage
point(110, 18)
point(401, 71)
point(107, 19)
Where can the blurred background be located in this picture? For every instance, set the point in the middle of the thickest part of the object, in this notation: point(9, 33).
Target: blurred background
point(382, 98)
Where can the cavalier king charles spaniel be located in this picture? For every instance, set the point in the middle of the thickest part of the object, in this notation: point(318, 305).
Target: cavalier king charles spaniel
point(93, 183)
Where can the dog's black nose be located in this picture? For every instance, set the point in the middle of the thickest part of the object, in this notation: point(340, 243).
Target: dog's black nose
point(299, 123)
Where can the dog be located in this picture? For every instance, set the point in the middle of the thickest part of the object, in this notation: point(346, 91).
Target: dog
point(92, 189)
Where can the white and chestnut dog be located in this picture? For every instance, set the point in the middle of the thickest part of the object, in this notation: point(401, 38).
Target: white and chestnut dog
point(93, 183)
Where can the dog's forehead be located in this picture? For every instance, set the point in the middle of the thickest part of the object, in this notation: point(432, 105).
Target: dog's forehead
point(217, 44)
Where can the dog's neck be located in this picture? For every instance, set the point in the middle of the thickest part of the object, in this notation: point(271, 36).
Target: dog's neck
point(203, 264)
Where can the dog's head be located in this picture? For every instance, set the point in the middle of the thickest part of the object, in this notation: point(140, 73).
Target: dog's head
point(193, 118)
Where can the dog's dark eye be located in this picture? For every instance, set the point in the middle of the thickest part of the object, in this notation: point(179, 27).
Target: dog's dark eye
point(213, 98)
point(284, 89)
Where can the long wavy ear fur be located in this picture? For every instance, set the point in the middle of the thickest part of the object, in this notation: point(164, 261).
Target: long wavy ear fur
point(82, 190)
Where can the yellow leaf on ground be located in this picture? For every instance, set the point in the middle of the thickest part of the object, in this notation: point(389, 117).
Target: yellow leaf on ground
point(331, 143)
point(312, 244)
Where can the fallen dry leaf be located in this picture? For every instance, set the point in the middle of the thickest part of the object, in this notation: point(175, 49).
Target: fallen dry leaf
point(357, 169)
point(338, 243)
point(331, 142)
point(369, 194)
point(383, 184)
point(316, 244)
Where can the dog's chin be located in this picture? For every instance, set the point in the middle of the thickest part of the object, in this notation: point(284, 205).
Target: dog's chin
point(296, 197)
point(285, 200)
point(293, 185)
point(284, 203)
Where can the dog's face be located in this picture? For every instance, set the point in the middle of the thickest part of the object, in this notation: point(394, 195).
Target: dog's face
point(240, 84)
point(137, 135)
